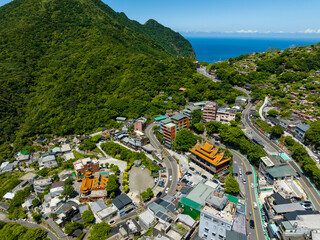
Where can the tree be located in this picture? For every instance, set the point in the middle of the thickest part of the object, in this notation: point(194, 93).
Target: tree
point(199, 127)
point(100, 231)
point(147, 194)
point(185, 140)
point(67, 190)
point(273, 112)
point(233, 123)
point(312, 135)
point(87, 216)
point(231, 186)
point(276, 131)
point(126, 188)
point(107, 165)
point(112, 184)
point(54, 216)
point(36, 217)
point(196, 116)
point(36, 202)
point(70, 227)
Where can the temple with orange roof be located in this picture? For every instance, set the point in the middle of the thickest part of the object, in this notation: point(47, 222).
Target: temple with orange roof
point(209, 157)
point(93, 188)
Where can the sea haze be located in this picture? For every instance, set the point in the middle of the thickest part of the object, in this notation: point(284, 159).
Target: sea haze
point(214, 49)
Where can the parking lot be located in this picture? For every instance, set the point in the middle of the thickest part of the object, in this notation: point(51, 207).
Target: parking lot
point(140, 180)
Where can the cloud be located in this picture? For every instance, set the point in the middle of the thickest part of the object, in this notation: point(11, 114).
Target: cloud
point(310, 30)
point(246, 31)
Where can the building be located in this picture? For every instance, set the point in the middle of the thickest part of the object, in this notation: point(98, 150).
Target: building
point(83, 165)
point(139, 124)
point(123, 203)
point(279, 173)
point(48, 161)
point(300, 131)
point(189, 109)
point(225, 116)
point(162, 123)
point(169, 133)
point(241, 100)
point(209, 157)
point(121, 119)
point(65, 148)
point(102, 211)
point(23, 157)
point(40, 185)
point(181, 121)
point(93, 188)
point(146, 219)
point(215, 222)
point(210, 111)
point(56, 188)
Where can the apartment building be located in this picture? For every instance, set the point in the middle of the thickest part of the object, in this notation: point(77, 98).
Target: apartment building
point(210, 111)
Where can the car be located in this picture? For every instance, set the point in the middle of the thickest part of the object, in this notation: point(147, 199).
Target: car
point(159, 194)
point(160, 165)
point(191, 168)
point(248, 173)
point(170, 178)
point(154, 161)
point(167, 190)
point(204, 176)
point(244, 180)
point(298, 174)
point(143, 167)
point(112, 222)
point(251, 224)
point(155, 180)
point(255, 205)
point(252, 185)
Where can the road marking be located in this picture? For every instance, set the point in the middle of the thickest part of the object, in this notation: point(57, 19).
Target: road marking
point(248, 176)
point(280, 151)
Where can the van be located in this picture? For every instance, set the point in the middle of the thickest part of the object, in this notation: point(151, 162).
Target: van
point(255, 205)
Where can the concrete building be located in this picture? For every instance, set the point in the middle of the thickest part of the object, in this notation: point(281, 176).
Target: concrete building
point(300, 131)
point(169, 133)
point(225, 116)
point(214, 223)
point(189, 109)
point(123, 204)
point(241, 100)
point(210, 111)
point(146, 219)
point(83, 165)
point(48, 161)
point(40, 185)
point(139, 124)
point(209, 157)
point(181, 121)
point(65, 148)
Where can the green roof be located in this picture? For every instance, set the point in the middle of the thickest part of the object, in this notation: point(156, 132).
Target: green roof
point(25, 152)
point(282, 155)
point(232, 199)
point(281, 171)
point(200, 193)
point(190, 203)
point(160, 118)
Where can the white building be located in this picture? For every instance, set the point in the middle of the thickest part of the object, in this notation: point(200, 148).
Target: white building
point(146, 219)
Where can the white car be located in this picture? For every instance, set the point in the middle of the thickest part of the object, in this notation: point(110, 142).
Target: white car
point(255, 205)
point(143, 167)
point(252, 185)
point(167, 190)
point(170, 178)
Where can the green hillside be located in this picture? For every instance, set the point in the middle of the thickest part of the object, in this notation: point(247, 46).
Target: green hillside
point(71, 66)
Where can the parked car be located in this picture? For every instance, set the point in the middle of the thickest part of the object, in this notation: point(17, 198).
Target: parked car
point(159, 194)
point(244, 180)
point(255, 205)
point(170, 178)
point(204, 176)
point(191, 168)
point(167, 190)
point(143, 167)
point(248, 173)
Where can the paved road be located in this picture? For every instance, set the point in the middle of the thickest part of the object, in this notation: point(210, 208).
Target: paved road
point(251, 197)
point(304, 181)
point(171, 164)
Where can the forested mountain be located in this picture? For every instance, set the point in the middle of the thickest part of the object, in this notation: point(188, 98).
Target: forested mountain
point(70, 66)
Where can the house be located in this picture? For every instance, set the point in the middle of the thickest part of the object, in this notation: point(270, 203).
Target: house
point(300, 131)
point(41, 184)
point(82, 165)
point(23, 157)
point(146, 219)
point(48, 161)
point(181, 121)
point(65, 148)
point(139, 124)
point(241, 100)
point(8, 196)
point(4, 206)
point(224, 115)
point(123, 203)
point(209, 157)
point(56, 188)
point(121, 119)
point(102, 211)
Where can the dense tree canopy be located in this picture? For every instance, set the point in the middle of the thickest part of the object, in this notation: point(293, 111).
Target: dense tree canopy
point(87, 216)
point(13, 231)
point(231, 186)
point(185, 140)
point(100, 231)
point(313, 134)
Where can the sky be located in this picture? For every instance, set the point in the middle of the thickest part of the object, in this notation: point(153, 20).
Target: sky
point(225, 16)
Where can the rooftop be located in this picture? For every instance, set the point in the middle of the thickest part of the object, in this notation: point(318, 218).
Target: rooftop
point(288, 207)
point(217, 200)
point(178, 117)
point(308, 221)
point(281, 171)
point(110, 210)
point(160, 118)
point(304, 127)
point(98, 206)
point(170, 125)
point(227, 214)
point(147, 217)
point(200, 193)
point(121, 201)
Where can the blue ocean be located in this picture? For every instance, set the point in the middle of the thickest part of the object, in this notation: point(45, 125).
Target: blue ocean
point(212, 50)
